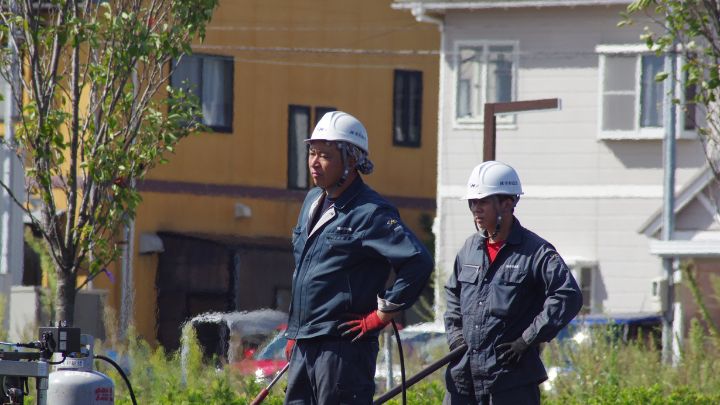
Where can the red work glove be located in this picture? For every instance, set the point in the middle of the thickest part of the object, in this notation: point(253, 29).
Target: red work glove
point(289, 348)
point(358, 327)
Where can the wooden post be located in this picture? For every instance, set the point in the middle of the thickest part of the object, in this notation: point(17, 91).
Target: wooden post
point(489, 120)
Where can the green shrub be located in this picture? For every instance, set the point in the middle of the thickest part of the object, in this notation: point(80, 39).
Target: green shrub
point(604, 371)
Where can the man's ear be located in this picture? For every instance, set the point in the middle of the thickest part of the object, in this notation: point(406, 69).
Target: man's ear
point(507, 205)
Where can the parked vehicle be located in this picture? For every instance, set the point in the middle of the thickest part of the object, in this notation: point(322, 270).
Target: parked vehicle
point(422, 344)
point(582, 330)
point(266, 361)
point(232, 336)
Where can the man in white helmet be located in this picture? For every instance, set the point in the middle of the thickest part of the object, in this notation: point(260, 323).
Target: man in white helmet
point(509, 291)
point(347, 241)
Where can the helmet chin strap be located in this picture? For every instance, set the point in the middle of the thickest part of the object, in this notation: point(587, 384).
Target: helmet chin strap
point(483, 232)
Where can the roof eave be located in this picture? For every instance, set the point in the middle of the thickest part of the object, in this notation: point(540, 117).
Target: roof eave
point(440, 6)
point(654, 224)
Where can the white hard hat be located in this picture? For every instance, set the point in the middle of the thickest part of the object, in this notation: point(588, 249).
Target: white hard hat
point(490, 178)
point(340, 126)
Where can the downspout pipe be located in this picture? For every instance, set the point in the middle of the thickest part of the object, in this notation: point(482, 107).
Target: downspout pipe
point(421, 15)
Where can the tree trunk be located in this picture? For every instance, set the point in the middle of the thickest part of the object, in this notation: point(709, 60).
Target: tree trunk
point(65, 299)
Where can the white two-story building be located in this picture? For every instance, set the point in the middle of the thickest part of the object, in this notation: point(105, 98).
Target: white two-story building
point(592, 172)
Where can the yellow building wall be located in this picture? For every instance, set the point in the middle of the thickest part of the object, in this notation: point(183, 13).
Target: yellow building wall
point(334, 53)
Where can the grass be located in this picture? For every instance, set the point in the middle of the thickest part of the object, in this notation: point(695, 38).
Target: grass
point(604, 371)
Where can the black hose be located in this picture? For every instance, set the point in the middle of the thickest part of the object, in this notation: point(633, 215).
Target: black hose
point(453, 355)
point(122, 374)
point(402, 362)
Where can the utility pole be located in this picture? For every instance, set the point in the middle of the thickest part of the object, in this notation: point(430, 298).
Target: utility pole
point(491, 109)
point(668, 223)
point(11, 222)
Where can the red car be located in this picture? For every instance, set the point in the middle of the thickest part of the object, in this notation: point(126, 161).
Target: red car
point(265, 362)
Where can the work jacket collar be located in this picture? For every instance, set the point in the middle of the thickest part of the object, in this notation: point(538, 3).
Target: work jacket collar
point(350, 193)
point(353, 190)
point(516, 232)
point(514, 237)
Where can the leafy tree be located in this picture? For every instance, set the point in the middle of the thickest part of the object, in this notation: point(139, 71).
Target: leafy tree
point(693, 26)
point(95, 115)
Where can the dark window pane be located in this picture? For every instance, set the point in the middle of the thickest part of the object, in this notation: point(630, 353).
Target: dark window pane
point(407, 108)
point(217, 93)
point(320, 111)
point(187, 74)
point(469, 95)
point(499, 78)
point(210, 78)
point(651, 92)
point(298, 132)
point(690, 110)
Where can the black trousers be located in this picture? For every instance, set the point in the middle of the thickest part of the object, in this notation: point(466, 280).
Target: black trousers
point(332, 370)
point(524, 395)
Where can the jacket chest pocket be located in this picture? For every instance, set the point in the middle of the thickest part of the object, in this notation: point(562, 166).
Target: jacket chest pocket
point(297, 241)
point(469, 273)
point(469, 298)
point(508, 292)
point(343, 242)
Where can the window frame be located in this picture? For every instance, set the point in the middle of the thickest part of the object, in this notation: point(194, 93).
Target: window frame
point(406, 107)
point(594, 305)
point(638, 132)
point(309, 111)
point(198, 92)
point(319, 111)
point(506, 121)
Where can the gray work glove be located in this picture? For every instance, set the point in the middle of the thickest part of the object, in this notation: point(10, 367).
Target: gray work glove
point(457, 342)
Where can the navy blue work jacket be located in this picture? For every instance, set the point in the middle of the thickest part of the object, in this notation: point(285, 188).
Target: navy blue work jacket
point(527, 291)
point(343, 263)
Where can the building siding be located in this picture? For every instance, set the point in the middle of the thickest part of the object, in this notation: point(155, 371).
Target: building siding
point(587, 196)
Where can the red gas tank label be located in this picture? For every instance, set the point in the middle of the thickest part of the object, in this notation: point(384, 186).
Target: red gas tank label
point(104, 394)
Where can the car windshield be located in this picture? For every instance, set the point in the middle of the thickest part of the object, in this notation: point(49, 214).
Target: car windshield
point(274, 350)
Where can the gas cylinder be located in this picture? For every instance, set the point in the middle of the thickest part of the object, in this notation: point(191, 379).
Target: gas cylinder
point(74, 382)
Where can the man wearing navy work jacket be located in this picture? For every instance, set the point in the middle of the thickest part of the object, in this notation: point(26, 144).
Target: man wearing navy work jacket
point(509, 291)
point(347, 241)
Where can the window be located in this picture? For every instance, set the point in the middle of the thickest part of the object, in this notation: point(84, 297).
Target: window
point(486, 73)
point(407, 108)
point(298, 132)
point(690, 118)
point(632, 101)
point(585, 274)
point(210, 78)
point(320, 111)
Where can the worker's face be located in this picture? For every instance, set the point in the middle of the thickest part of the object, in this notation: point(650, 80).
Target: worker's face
point(325, 163)
point(485, 211)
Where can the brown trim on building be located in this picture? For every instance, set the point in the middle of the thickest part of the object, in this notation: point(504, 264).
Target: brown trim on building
point(263, 193)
